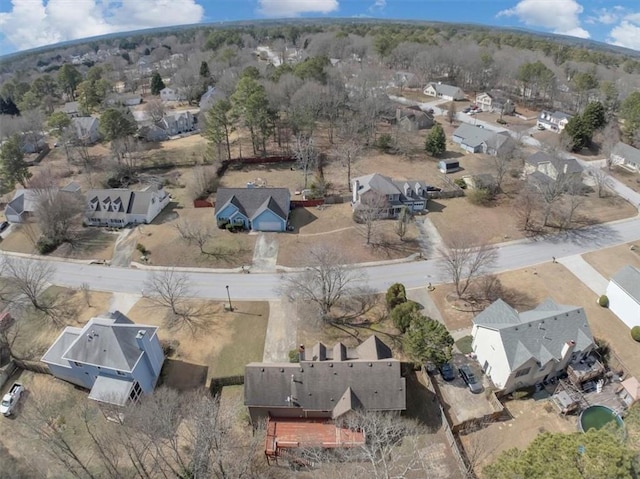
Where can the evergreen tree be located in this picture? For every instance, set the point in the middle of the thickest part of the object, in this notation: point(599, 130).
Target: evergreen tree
point(427, 340)
point(8, 107)
point(219, 124)
point(68, 79)
point(14, 168)
point(436, 142)
point(156, 84)
point(594, 115)
point(578, 132)
point(204, 70)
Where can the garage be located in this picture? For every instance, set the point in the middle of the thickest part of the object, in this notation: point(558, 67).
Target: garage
point(267, 226)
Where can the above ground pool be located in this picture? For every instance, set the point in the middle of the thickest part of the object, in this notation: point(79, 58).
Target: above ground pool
point(597, 417)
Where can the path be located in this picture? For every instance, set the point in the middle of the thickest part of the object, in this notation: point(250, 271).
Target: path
point(421, 296)
point(265, 253)
point(282, 331)
point(123, 302)
point(429, 238)
point(585, 273)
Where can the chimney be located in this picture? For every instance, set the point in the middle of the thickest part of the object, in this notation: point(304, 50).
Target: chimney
point(140, 339)
point(301, 353)
point(339, 352)
point(568, 348)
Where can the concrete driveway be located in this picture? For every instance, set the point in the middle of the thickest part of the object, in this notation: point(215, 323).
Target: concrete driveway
point(124, 248)
point(282, 331)
point(265, 253)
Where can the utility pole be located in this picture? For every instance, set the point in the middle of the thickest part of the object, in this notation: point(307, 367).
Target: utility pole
point(229, 296)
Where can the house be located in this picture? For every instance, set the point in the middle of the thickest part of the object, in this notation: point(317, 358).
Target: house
point(626, 155)
point(21, 206)
point(255, 209)
point(446, 92)
point(131, 100)
point(406, 80)
point(397, 194)
point(495, 101)
point(522, 349)
point(623, 292)
point(116, 359)
point(412, 118)
point(542, 169)
point(86, 128)
point(474, 139)
point(210, 97)
point(119, 207)
point(172, 94)
point(32, 142)
point(554, 121)
point(305, 402)
point(71, 108)
point(177, 123)
point(153, 133)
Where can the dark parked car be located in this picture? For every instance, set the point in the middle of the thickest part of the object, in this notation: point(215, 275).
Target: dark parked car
point(447, 372)
point(3, 226)
point(470, 379)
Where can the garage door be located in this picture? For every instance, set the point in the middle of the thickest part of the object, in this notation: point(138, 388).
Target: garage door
point(268, 226)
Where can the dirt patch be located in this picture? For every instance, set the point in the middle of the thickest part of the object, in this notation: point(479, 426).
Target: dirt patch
point(609, 261)
point(224, 343)
point(529, 418)
point(526, 288)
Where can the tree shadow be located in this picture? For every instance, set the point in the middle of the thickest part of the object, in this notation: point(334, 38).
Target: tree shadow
point(168, 214)
point(300, 217)
point(422, 403)
point(183, 376)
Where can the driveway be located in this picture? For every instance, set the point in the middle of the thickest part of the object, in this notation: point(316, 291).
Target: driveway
point(124, 248)
point(429, 237)
point(265, 253)
point(282, 331)
point(585, 273)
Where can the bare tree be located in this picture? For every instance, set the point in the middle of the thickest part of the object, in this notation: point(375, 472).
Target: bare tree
point(451, 112)
point(348, 149)
point(551, 193)
point(503, 160)
point(402, 222)
point(155, 108)
point(30, 279)
point(204, 181)
point(465, 260)
point(601, 180)
point(325, 282)
point(193, 233)
point(527, 205)
point(306, 154)
point(371, 209)
point(170, 289)
point(573, 201)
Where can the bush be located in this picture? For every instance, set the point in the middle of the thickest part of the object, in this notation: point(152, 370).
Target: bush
point(294, 356)
point(46, 245)
point(396, 294)
point(635, 333)
point(603, 301)
point(403, 314)
point(461, 183)
point(500, 121)
point(140, 247)
point(169, 346)
point(480, 196)
point(464, 344)
point(222, 224)
point(384, 142)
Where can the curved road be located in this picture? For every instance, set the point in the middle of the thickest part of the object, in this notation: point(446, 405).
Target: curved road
point(264, 286)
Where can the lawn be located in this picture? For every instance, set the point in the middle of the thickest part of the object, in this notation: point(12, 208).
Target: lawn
point(222, 345)
point(609, 261)
point(629, 178)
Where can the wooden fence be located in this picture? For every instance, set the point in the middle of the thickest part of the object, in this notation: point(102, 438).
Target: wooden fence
point(256, 160)
point(7, 372)
point(35, 366)
point(202, 204)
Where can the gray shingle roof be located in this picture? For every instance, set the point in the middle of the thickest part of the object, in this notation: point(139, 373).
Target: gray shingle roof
point(572, 165)
point(628, 152)
point(628, 278)
point(253, 201)
point(57, 349)
point(330, 385)
point(472, 135)
point(540, 333)
point(108, 342)
point(447, 90)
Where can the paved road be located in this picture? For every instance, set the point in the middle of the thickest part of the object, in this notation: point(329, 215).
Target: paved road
point(264, 286)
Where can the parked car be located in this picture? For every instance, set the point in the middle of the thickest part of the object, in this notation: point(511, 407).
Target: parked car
point(3, 226)
point(447, 372)
point(541, 127)
point(470, 379)
point(10, 399)
point(466, 110)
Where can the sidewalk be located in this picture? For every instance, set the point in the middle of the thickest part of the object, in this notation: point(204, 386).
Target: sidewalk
point(282, 332)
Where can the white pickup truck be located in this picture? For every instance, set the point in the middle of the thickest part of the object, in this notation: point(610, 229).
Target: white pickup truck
point(10, 399)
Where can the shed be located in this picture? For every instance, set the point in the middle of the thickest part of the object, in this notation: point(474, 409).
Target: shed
point(448, 166)
point(630, 392)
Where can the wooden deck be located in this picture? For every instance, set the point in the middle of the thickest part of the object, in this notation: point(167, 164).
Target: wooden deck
point(315, 433)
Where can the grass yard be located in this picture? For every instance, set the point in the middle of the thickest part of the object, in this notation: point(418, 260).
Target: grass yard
point(609, 260)
point(223, 343)
point(629, 178)
point(168, 248)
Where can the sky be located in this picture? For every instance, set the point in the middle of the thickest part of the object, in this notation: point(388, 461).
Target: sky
point(27, 24)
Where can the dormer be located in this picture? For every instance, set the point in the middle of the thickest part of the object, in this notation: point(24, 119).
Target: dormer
point(115, 204)
point(106, 204)
point(93, 203)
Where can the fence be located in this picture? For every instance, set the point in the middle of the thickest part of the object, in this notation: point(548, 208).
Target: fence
point(218, 383)
point(202, 204)
point(7, 372)
point(256, 160)
point(307, 203)
point(35, 366)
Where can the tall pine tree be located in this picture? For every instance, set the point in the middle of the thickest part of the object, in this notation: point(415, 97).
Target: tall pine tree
point(436, 142)
point(156, 84)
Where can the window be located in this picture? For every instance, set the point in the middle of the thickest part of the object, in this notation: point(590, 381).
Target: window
point(77, 364)
point(120, 373)
point(523, 372)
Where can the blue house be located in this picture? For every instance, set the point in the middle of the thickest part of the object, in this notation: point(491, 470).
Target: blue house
point(255, 209)
point(116, 359)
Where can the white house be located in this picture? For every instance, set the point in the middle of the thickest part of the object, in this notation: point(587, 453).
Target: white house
point(522, 349)
point(119, 207)
point(446, 92)
point(626, 155)
point(394, 194)
point(623, 292)
point(495, 101)
point(116, 359)
point(554, 121)
point(86, 128)
point(171, 94)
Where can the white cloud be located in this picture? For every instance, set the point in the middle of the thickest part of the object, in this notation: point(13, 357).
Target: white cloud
point(607, 16)
point(559, 16)
point(378, 5)
point(627, 33)
point(293, 8)
point(32, 23)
